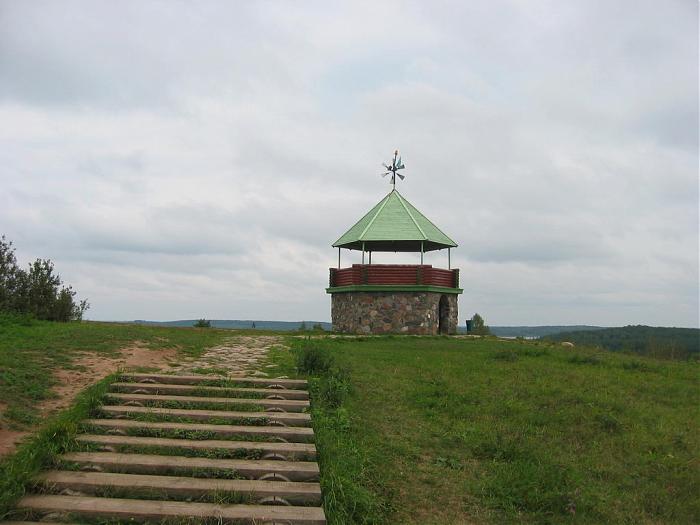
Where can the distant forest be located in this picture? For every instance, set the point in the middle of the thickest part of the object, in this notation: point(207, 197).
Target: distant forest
point(665, 343)
point(535, 331)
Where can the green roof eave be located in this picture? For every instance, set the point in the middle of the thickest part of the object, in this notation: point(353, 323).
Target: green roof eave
point(394, 225)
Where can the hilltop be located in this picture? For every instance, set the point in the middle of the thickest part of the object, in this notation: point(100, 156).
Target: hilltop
point(501, 331)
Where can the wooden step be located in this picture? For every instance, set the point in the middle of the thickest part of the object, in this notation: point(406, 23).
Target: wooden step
point(293, 434)
point(188, 389)
point(155, 464)
point(287, 418)
point(181, 486)
point(199, 379)
point(287, 405)
point(289, 451)
point(150, 510)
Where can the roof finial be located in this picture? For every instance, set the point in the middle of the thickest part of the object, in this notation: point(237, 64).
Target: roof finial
point(395, 166)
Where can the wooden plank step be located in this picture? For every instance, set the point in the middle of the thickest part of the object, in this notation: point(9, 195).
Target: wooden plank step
point(153, 510)
point(288, 418)
point(289, 451)
point(157, 464)
point(187, 389)
point(198, 379)
point(288, 405)
point(294, 434)
point(181, 486)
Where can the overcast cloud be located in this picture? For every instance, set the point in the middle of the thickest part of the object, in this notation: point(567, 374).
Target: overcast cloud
point(197, 159)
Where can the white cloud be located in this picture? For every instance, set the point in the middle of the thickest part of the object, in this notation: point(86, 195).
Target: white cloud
point(181, 160)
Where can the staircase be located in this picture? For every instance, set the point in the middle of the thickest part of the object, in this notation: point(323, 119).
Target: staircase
point(189, 448)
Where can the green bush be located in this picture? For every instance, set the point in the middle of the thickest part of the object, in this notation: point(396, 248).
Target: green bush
point(202, 323)
point(311, 359)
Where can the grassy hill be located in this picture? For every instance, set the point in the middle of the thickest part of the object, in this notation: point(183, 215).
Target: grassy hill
point(437, 430)
point(669, 343)
point(447, 431)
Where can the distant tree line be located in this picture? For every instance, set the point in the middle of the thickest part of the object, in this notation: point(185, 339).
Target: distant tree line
point(37, 291)
point(663, 343)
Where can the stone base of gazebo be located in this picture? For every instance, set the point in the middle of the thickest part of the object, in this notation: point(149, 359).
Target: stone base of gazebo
point(420, 312)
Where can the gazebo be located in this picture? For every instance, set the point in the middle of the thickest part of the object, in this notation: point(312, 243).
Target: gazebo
point(394, 298)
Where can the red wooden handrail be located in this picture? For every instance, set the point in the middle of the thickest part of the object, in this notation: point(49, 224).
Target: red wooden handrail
point(407, 274)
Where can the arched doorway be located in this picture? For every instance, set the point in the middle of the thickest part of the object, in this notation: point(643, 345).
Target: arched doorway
point(444, 315)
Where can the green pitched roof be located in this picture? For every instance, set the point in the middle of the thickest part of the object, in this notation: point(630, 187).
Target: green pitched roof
point(394, 225)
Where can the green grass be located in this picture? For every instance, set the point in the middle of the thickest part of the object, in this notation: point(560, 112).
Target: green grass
point(196, 405)
point(173, 433)
point(213, 453)
point(31, 351)
point(441, 431)
point(157, 418)
point(205, 473)
point(41, 451)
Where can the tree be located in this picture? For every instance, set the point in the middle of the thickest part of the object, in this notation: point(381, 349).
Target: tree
point(202, 323)
point(9, 272)
point(38, 291)
point(479, 326)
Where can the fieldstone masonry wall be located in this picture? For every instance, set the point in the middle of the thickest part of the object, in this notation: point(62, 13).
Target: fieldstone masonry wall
point(391, 312)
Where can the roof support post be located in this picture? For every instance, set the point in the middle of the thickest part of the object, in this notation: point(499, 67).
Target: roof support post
point(421, 252)
point(370, 256)
point(449, 265)
point(338, 257)
point(363, 253)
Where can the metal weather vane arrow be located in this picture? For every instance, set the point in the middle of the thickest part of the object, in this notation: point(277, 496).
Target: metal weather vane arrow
point(396, 165)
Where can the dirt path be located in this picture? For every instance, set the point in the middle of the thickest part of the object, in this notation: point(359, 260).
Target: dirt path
point(238, 355)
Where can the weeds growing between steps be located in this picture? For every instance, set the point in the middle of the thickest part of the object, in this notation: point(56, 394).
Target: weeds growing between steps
point(43, 449)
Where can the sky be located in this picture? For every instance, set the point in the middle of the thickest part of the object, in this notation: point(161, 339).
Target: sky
point(182, 160)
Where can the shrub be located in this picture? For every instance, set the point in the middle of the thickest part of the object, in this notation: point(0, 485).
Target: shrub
point(202, 323)
point(311, 359)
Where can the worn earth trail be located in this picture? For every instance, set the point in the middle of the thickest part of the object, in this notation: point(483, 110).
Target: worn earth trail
point(237, 355)
point(228, 445)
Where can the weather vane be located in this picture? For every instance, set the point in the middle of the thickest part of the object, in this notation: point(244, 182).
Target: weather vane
point(395, 166)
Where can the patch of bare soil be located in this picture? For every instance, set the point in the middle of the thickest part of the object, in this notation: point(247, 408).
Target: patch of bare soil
point(91, 368)
point(9, 439)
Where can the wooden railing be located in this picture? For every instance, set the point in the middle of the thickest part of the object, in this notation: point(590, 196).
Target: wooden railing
point(397, 274)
